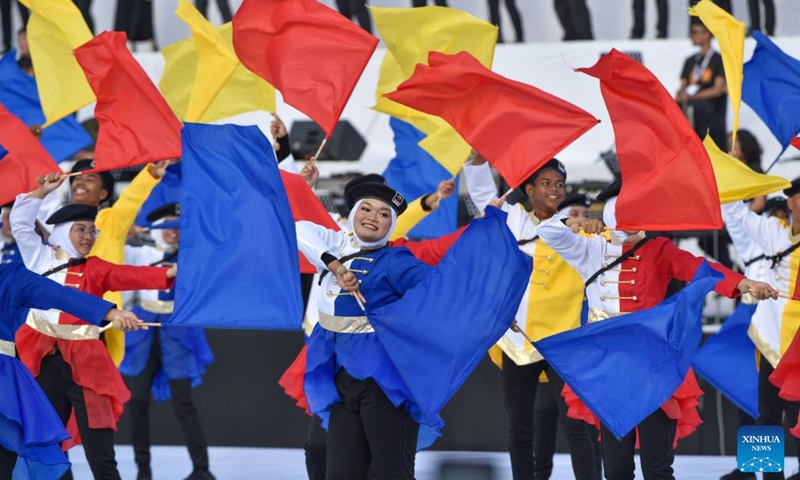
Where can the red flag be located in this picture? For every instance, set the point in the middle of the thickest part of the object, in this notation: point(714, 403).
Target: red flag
point(26, 158)
point(136, 123)
point(796, 142)
point(515, 126)
point(293, 378)
point(667, 179)
point(306, 206)
point(310, 53)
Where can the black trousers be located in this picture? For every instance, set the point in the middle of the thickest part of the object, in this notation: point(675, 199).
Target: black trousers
point(367, 433)
point(182, 404)
point(224, 9)
point(513, 12)
point(755, 16)
point(55, 378)
point(656, 454)
point(357, 9)
point(545, 418)
point(574, 18)
point(316, 448)
point(520, 384)
point(422, 3)
point(638, 18)
point(771, 408)
point(5, 13)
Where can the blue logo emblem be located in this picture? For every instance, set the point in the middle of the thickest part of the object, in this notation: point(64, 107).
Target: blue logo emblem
point(760, 449)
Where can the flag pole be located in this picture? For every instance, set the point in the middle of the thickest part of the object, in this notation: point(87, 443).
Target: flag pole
point(111, 324)
point(505, 196)
point(313, 160)
point(776, 159)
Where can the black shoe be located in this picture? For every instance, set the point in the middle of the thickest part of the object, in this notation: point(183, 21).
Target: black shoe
point(201, 474)
point(737, 475)
point(144, 474)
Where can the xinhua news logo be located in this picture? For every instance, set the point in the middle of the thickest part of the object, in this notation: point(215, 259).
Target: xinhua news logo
point(760, 449)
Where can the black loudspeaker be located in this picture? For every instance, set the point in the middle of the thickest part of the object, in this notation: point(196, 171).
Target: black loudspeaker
point(345, 143)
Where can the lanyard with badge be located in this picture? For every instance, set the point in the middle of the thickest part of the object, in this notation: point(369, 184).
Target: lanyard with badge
point(697, 72)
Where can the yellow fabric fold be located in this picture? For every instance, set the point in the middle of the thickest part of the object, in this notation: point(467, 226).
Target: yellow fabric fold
point(735, 180)
point(114, 223)
point(242, 92)
point(215, 61)
point(55, 29)
point(410, 34)
point(730, 34)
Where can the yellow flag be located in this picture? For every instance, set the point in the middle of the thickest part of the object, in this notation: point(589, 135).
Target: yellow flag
point(243, 92)
point(410, 34)
point(735, 180)
point(215, 62)
point(729, 33)
point(55, 29)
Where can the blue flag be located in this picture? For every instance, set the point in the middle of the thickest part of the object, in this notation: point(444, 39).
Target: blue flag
point(728, 361)
point(413, 172)
point(771, 87)
point(18, 93)
point(237, 257)
point(167, 191)
point(439, 331)
point(3, 152)
point(624, 368)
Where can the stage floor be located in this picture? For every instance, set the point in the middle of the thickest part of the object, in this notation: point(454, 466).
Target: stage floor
point(234, 463)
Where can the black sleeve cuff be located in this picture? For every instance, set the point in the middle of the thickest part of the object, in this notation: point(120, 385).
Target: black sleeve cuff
point(327, 258)
point(425, 206)
point(284, 150)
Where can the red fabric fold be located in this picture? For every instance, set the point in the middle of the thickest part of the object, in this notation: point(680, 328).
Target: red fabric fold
point(787, 377)
point(26, 158)
point(104, 391)
point(306, 206)
point(660, 155)
point(292, 380)
point(312, 54)
point(136, 124)
point(515, 126)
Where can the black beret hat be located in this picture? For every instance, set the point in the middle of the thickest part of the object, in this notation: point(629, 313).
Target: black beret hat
point(379, 191)
point(794, 189)
point(552, 164)
point(581, 199)
point(368, 178)
point(105, 177)
point(611, 190)
point(73, 212)
point(169, 210)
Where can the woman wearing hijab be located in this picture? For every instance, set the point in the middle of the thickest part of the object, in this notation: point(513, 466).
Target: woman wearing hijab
point(377, 418)
point(626, 273)
point(348, 373)
point(30, 430)
point(63, 352)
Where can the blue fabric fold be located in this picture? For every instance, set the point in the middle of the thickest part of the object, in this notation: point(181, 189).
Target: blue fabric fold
point(727, 361)
point(414, 173)
point(20, 96)
point(238, 247)
point(624, 368)
point(771, 87)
